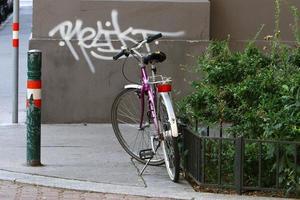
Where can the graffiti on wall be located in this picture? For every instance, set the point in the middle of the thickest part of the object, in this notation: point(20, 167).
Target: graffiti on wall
point(103, 42)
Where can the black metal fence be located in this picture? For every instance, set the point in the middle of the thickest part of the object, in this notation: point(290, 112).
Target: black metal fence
point(240, 164)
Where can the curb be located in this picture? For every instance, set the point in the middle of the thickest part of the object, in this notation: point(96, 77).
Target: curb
point(8, 125)
point(115, 189)
point(87, 185)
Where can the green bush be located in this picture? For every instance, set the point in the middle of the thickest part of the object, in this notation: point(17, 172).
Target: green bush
point(257, 91)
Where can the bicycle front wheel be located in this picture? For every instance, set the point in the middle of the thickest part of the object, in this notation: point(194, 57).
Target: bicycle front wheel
point(168, 124)
point(126, 115)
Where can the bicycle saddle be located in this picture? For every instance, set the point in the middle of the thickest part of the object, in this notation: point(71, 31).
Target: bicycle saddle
point(157, 57)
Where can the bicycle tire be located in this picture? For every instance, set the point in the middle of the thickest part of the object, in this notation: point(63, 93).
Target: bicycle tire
point(169, 143)
point(124, 133)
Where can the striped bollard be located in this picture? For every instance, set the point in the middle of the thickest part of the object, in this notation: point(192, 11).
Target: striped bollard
point(16, 29)
point(33, 105)
point(15, 44)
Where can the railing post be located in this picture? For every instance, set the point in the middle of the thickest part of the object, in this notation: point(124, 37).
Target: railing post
point(33, 105)
point(238, 163)
point(203, 160)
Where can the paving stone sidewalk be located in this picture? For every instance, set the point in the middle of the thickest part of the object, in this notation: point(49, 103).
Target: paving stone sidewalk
point(17, 191)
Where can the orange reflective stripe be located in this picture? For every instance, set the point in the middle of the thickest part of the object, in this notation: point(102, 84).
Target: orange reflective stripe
point(37, 103)
point(16, 26)
point(15, 42)
point(34, 84)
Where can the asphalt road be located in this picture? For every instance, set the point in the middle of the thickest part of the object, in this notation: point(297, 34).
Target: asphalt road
point(6, 63)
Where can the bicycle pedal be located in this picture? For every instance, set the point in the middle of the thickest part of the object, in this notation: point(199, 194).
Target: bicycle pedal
point(146, 154)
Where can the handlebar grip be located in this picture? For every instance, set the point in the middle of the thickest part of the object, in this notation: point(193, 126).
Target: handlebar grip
point(153, 37)
point(116, 57)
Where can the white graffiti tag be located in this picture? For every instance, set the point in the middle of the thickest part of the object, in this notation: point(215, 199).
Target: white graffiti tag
point(99, 43)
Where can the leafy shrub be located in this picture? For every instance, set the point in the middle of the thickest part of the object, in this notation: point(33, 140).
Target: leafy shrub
point(257, 91)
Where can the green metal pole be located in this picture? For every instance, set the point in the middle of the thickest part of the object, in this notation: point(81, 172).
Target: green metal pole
point(33, 120)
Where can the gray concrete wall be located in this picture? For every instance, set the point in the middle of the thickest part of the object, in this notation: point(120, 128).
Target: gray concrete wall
point(241, 19)
point(79, 80)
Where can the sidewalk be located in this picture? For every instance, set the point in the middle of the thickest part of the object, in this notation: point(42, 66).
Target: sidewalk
point(88, 158)
point(19, 191)
point(25, 3)
point(6, 65)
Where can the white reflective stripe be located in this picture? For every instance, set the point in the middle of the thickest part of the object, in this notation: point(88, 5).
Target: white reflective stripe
point(15, 35)
point(171, 113)
point(37, 93)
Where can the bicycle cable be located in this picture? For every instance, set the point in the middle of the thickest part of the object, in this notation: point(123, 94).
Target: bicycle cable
point(124, 75)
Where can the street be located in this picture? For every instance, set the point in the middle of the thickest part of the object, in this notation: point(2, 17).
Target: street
point(6, 63)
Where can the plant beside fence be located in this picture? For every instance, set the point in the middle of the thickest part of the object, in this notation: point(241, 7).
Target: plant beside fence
point(257, 92)
point(241, 164)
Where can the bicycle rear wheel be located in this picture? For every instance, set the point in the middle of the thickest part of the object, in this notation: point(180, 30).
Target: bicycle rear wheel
point(126, 117)
point(169, 143)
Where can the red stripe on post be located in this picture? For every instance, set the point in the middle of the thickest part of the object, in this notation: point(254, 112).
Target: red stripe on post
point(15, 42)
point(16, 26)
point(34, 84)
point(37, 103)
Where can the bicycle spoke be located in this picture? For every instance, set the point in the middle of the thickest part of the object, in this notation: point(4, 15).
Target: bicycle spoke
point(126, 109)
point(133, 119)
point(135, 141)
point(134, 106)
point(124, 122)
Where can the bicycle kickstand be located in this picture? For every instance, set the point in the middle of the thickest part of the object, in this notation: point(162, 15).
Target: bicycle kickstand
point(144, 168)
point(153, 152)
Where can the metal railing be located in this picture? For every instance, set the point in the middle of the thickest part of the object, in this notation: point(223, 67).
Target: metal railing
point(238, 163)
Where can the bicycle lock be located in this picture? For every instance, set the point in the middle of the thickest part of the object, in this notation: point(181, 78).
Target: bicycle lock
point(33, 108)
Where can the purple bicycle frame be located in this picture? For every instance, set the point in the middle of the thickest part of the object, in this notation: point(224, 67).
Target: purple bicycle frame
point(146, 88)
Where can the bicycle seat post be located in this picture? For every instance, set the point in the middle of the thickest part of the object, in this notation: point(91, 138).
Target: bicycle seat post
point(153, 69)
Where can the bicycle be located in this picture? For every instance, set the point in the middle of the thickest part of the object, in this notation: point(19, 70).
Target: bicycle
point(143, 117)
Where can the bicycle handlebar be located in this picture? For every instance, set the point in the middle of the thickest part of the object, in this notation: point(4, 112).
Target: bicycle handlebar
point(154, 37)
point(139, 44)
point(116, 57)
